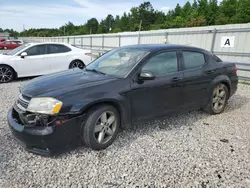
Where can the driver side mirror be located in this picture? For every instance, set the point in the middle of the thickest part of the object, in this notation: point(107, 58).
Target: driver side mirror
point(23, 54)
point(146, 76)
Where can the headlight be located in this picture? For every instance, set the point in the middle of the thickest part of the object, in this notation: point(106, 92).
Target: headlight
point(45, 105)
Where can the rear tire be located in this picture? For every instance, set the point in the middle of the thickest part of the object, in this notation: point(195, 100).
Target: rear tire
point(101, 127)
point(77, 63)
point(7, 74)
point(217, 99)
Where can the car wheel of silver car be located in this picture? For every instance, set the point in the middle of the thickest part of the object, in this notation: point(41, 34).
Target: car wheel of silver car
point(6, 74)
point(218, 99)
point(101, 127)
point(77, 64)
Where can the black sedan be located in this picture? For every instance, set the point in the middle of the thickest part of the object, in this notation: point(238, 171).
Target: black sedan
point(125, 85)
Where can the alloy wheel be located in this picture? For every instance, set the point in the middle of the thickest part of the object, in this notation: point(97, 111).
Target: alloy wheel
point(6, 74)
point(105, 127)
point(219, 97)
point(78, 64)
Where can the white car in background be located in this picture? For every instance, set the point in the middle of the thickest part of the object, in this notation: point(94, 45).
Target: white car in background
point(35, 59)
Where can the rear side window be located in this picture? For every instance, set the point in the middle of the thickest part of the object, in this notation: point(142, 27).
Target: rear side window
point(57, 48)
point(193, 59)
point(217, 59)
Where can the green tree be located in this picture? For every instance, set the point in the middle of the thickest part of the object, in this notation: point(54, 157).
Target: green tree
point(186, 13)
point(242, 12)
point(212, 12)
point(178, 22)
point(228, 7)
point(195, 5)
point(92, 25)
point(203, 9)
point(160, 18)
point(145, 13)
point(177, 10)
point(199, 13)
point(222, 19)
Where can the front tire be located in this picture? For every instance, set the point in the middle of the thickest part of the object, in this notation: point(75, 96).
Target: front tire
point(6, 74)
point(5, 48)
point(218, 99)
point(77, 63)
point(101, 127)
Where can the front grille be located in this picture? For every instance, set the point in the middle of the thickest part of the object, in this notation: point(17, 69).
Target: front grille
point(22, 102)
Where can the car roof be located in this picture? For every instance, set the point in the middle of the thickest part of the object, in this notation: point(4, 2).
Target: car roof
point(35, 43)
point(153, 47)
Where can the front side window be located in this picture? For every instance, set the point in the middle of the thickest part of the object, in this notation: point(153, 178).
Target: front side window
point(17, 50)
point(36, 50)
point(57, 48)
point(118, 62)
point(193, 59)
point(163, 63)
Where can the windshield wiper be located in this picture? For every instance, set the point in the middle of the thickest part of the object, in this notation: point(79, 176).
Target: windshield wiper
point(96, 71)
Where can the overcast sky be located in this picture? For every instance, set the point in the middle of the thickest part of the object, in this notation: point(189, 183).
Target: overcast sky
point(55, 13)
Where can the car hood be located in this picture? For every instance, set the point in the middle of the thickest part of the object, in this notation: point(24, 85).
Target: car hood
point(65, 81)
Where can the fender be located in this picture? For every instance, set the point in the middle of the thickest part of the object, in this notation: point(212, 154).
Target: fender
point(219, 79)
point(222, 79)
point(122, 104)
point(16, 75)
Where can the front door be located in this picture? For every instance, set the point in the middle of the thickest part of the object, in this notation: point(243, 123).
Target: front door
point(34, 64)
point(162, 95)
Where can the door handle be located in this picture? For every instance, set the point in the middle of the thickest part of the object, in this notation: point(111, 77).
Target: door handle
point(209, 72)
point(175, 79)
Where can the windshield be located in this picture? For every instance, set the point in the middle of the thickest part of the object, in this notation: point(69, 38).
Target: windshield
point(16, 50)
point(117, 62)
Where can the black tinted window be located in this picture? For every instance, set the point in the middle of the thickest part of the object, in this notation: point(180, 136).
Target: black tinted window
point(57, 48)
point(36, 50)
point(193, 59)
point(162, 63)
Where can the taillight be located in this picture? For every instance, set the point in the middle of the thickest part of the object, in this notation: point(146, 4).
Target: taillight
point(235, 69)
point(88, 54)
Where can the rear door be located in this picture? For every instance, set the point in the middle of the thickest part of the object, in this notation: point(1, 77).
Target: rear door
point(35, 63)
point(59, 57)
point(197, 75)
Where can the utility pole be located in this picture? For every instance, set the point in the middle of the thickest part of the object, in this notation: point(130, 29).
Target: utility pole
point(111, 21)
point(140, 25)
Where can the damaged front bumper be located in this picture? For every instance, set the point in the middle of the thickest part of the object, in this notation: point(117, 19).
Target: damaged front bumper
point(45, 135)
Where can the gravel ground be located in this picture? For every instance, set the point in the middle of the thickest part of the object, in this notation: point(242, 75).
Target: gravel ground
point(188, 150)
